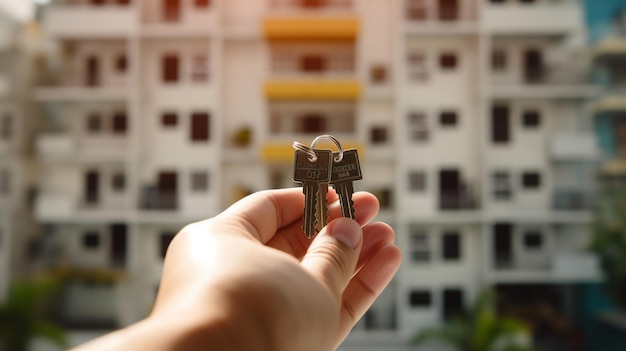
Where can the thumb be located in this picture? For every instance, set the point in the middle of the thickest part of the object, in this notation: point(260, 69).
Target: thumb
point(333, 255)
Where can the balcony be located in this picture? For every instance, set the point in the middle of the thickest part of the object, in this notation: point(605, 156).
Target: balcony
point(313, 90)
point(311, 28)
point(89, 21)
point(283, 151)
point(557, 80)
point(459, 201)
point(64, 147)
point(574, 146)
point(155, 199)
point(556, 18)
point(54, 207)
point(572, 200)
point(610, 48)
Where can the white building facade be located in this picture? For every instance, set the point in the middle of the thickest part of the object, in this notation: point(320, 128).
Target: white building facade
point(468, 120)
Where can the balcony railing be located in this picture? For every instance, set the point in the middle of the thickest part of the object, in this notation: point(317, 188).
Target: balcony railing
point(156, 199)
point(461, 200)
point(572, 200)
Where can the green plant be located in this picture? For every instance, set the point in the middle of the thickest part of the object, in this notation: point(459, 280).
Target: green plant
point(480, 329)
point(609, 237)
point(23, 315)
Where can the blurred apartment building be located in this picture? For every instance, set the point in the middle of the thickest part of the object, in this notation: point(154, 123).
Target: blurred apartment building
point(471, 119)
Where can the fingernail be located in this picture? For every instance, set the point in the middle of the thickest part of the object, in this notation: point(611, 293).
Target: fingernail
point(346, 230)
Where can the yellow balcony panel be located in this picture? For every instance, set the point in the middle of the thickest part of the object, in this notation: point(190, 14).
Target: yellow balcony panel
point(283, 152)
point(308, 28)
point(320, 90)
point(610, 104)
point(614, 168)
point(611, 47)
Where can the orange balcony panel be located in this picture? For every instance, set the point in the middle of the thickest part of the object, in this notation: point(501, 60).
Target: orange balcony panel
point(283, 152)
point(319, 90)
point(306, 28)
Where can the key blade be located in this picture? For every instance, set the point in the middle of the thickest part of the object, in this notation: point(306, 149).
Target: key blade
point(345, 191)
point(310, 197)
point(321, 212)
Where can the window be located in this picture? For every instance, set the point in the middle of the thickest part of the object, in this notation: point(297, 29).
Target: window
point(199, 181)
point(420, 298)
point(502, 187)
point(166, 239)
point(417, 66)
point(502, 244)
point(531, 119)
point(451, 246)
point(531, 180)
point(419, 245)
point(500, 124)
point(202, 4)
point(97, 2)
point(118, 182)
point(312, 4)
point(313, 123)
point(171, 10)
point(120, 123)
point(200, 68)
point(121, 63)
point(5, 182)
point(498, 60)
point(91, 240)
point(417, 181)
point(533, 240)
point(448, 61)
point(6, 126)
point(384, 198)
point(416, 10)
point(448, 10)
point(94, 123)
point(312, 63)
point(378, 135)
point(452, 303)
point(417, 126)
point(200, 126)
point(378, 74)
point(448, 118)
point(123, 2)
point(169, 119)
point(170, 68)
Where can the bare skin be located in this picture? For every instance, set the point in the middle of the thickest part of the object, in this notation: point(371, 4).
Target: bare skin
point(249, 279)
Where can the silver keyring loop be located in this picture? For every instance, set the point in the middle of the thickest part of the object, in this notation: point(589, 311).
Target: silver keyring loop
point(339, 157)
point(306, 149)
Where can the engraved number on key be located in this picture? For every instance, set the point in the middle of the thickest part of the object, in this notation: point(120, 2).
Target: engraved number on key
point(313, 175)
point(344, 172)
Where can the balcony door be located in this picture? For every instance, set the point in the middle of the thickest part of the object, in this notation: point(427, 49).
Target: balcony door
point(167, 190)
point(448, 10)
point(533, 66)
point(171, 10)
point(92, 74)
point(92, 187)
point(450, 189)
point(118, 244)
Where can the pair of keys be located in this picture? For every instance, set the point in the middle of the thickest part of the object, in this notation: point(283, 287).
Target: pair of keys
point(315, 169)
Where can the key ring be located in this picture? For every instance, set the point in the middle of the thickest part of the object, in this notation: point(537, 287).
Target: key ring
point(339, 157)
point(299, 146)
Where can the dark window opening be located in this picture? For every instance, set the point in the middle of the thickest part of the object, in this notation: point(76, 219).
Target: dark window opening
point(503, 244)
point(448, 118)
point(420, 298)
point(452, 303)
point(6, 126)
point(498, 60)
point(500, 124)
point(202, 4)
point(169, 119)
point(200, 126)
point(312, 4)
point(170, 69)
point(384, 198)
point(448, 61)
point(450, 190)
point(313, 123)
point(171, 10)
point(451, 246)
point(378, 135)
point(118, 182)
point(118, 244)
point(313, 64)
point(166, 240)
point(120, 123)
point(417, 181)
point(531, 180)
point(448, 10)
point(92, 187)
point(121, 63)
point(93, 72)
point(416, 10)
point(94, 123)
point(531, 119)
point(378, 74)
point(533, 240)
point(91, 240)
point(533, 66)
point(199, 181)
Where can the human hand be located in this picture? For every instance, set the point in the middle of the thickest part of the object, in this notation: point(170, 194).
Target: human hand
point(249, 279)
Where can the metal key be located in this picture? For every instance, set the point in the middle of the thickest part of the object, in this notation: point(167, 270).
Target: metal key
point(343, 173)
point(314, 175)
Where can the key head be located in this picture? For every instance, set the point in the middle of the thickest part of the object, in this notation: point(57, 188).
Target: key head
point(348, 168)
point(305, 170)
